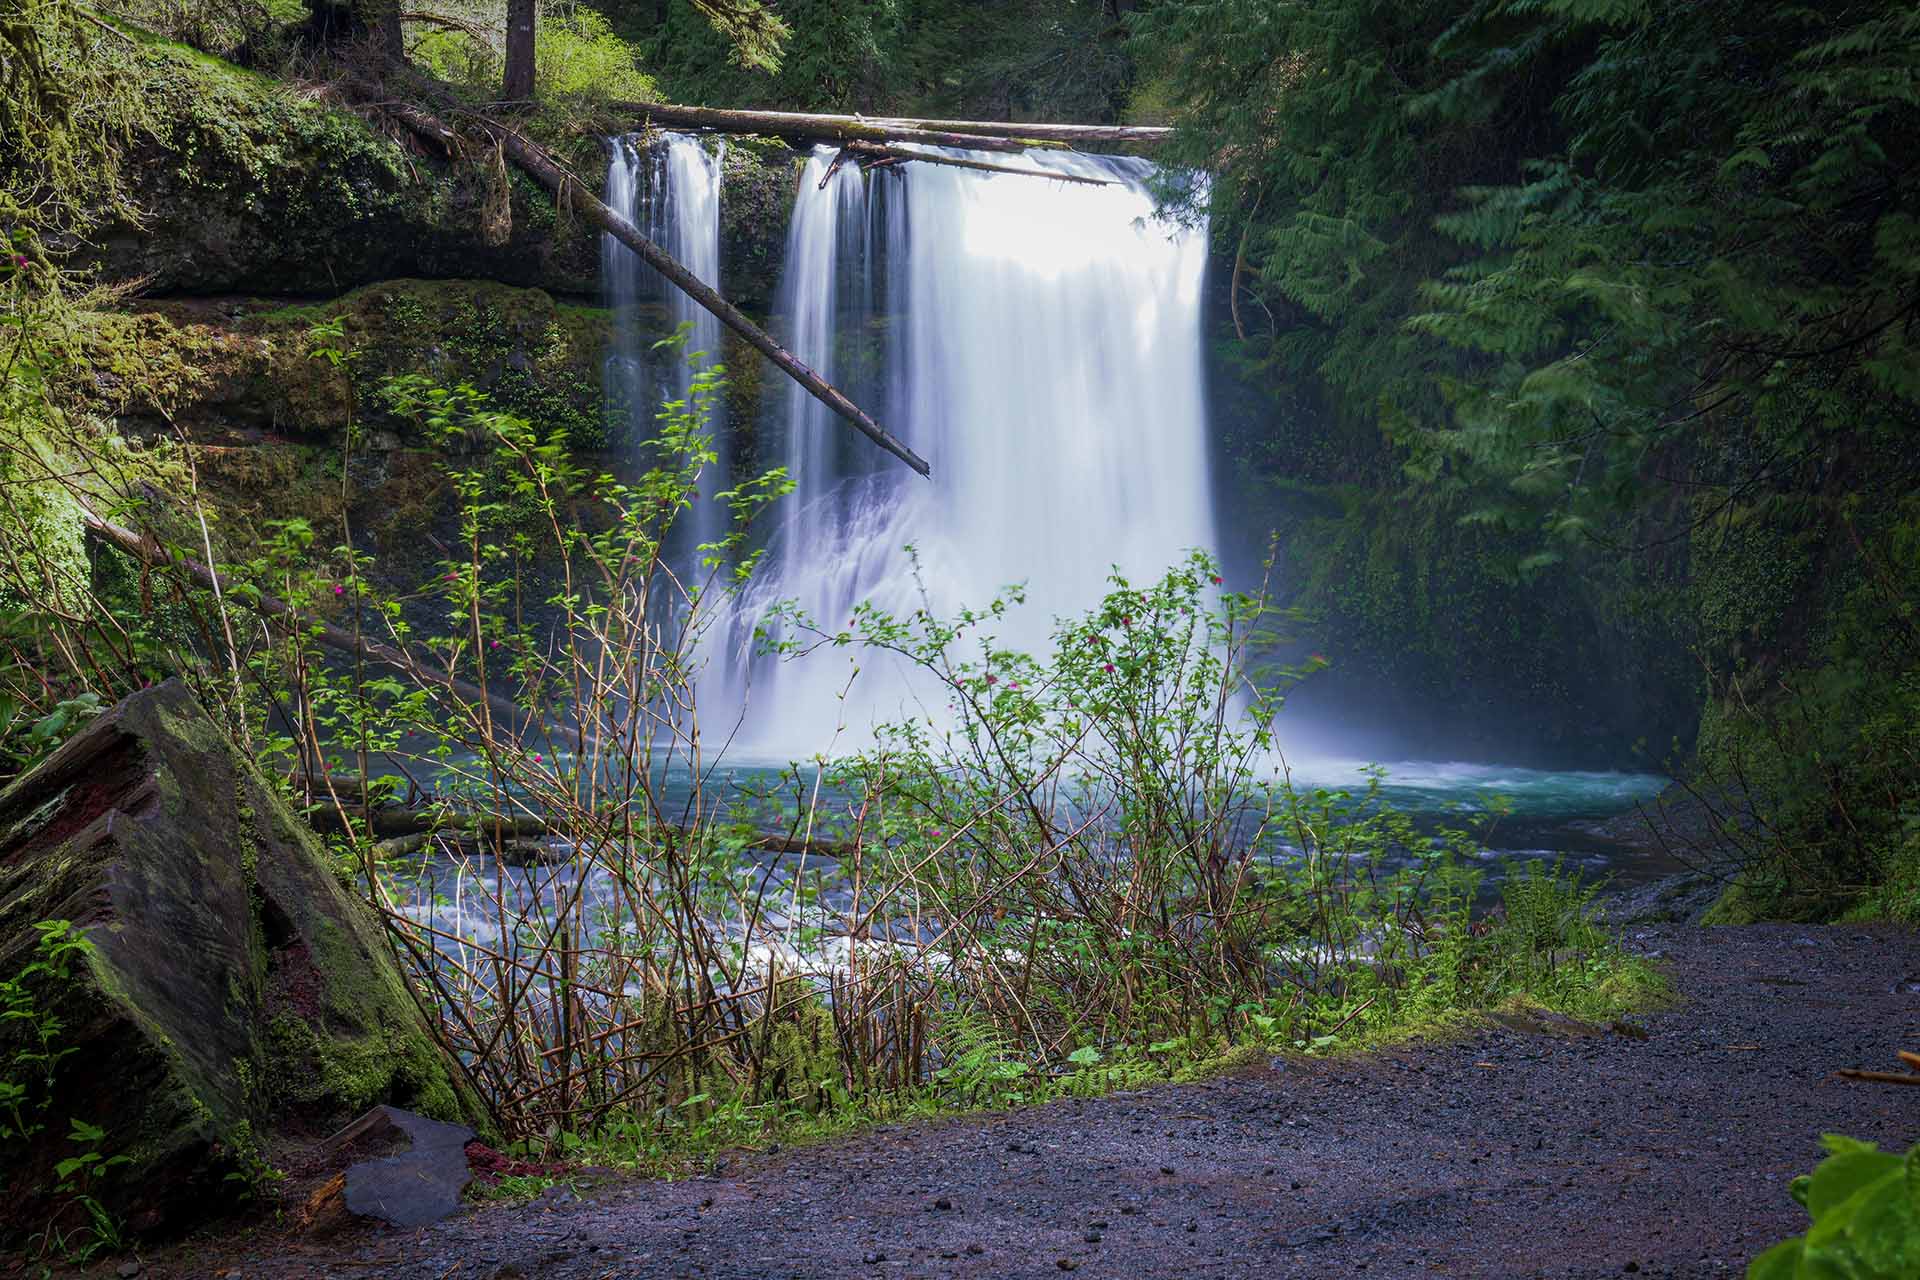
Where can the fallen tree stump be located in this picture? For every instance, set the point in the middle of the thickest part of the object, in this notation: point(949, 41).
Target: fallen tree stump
point(227, 988)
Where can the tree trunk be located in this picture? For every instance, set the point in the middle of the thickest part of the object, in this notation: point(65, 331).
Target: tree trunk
point(517, 84)
point(831, 128)
point(382, 17)
point(808, 128)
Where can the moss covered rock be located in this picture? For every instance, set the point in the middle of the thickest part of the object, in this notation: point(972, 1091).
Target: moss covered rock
point(249, 185)
point(252, 371)
point(233, 992)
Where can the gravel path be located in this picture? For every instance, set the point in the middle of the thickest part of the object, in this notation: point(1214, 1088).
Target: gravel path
point(1507, 1153)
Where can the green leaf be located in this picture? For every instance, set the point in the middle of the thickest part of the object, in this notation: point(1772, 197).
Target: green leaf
point(1782, 1262)
point(1840, 1177)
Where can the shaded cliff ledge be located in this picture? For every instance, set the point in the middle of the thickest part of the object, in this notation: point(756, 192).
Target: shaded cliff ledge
point(248, 185)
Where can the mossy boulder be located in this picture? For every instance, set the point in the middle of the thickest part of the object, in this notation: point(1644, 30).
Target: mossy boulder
point(234, 994)
point(249, 185)
point(758, 180)
point(246, 371)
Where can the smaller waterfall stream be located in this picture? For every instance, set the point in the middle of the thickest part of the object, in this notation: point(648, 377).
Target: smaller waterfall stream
point(671, 191)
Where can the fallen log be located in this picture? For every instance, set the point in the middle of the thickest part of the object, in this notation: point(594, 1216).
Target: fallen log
point(149, 551)
point(872, 155)
point(1877, 1077)
point(798, 124)
point(821, 128)
point(404, 830)
point(536, 163)
point(394, 822)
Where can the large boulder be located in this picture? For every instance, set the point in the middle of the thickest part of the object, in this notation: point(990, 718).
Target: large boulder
point(233, 995)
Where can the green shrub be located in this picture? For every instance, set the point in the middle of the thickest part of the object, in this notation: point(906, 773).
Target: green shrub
point(1865, 1205)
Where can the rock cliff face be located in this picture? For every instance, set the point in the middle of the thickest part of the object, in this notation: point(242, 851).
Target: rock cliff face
point(232, 993)
point(246, 187)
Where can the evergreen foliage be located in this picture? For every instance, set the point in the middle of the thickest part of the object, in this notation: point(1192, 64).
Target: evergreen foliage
point(1618, 279)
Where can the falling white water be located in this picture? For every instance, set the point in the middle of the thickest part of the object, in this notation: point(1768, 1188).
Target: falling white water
point(1039, 342)
point(671, 192)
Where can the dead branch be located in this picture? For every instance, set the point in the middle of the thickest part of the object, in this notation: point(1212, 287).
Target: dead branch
point(534, 160)
point(1878, 1077)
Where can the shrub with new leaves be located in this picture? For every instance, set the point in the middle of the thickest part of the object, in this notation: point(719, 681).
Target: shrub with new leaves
point(1865, 1205)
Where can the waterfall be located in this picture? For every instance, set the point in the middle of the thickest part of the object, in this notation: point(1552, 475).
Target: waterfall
point(671, 191)
point(1039, 343)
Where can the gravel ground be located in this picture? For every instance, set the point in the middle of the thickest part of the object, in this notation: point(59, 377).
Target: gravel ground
point(1505, 1153)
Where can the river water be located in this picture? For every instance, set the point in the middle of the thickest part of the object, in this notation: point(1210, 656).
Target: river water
point(1040, 342)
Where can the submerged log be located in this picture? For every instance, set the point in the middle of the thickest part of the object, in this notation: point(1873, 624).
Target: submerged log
point(401, 830)
point(834, 128)
point(536, 163)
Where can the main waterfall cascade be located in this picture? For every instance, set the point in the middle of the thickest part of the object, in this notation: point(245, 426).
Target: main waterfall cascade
point(1040, 343)
point(671, 191)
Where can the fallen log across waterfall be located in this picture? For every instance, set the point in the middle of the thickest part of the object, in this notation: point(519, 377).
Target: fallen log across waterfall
point(874, 155)
point(799, 126)
point(533, 160)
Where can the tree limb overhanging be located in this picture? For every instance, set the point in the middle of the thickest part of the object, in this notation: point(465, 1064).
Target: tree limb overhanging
point(804, 126)
point(537, 164)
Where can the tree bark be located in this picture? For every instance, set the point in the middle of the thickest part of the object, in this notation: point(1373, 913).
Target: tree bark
point(382, 18)
point(808, 128)
point(517, 84)
point(832, 128)
point(538, 164)
point(398, 823)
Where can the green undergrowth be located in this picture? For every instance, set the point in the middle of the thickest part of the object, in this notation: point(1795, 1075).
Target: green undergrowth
point(1536, 960)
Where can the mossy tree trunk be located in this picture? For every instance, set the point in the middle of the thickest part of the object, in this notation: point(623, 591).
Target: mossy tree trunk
point(517, 83)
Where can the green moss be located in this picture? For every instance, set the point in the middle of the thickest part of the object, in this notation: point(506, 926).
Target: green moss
point(1226, 1062)
point(249, 183)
